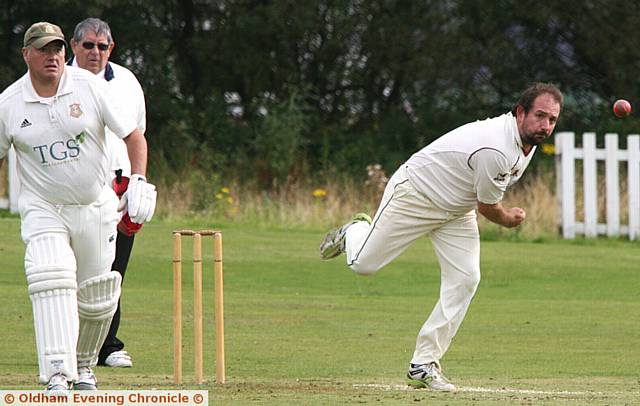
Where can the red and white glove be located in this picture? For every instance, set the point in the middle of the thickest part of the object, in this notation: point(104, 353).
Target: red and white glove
point(128, 227)
point(139, 199)
point(125, 226)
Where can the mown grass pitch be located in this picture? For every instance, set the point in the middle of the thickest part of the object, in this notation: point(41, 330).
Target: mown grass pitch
point(552, 323)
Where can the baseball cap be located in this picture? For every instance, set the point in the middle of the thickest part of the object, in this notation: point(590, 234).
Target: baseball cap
point(40, 34)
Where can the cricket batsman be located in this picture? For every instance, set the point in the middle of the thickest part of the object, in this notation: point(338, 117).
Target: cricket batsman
point(55, 117)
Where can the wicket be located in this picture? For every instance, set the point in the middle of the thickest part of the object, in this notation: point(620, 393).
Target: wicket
point(197, 303)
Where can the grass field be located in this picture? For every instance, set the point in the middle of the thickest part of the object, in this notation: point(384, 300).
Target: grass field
point(552, 323)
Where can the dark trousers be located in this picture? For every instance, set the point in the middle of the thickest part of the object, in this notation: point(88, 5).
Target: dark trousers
point(124, 244)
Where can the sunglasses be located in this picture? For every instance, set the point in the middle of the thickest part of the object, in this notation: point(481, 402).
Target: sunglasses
point(91, 45)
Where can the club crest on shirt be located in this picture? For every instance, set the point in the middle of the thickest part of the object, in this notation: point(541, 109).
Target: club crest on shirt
point(74, 110)
point(501, 177)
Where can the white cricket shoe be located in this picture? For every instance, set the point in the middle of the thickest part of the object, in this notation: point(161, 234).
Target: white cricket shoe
point(334, 242)
point(119, 359)
point(86, 380)
point(428, 375)
point(58, 386)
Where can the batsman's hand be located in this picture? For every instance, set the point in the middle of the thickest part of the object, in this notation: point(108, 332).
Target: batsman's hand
point(139, 199)
point(128, 227)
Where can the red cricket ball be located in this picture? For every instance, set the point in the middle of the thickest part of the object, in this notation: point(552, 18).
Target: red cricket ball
point(621, 108)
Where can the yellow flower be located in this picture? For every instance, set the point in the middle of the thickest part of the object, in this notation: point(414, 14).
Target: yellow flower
point(219, 196)
point(225, 190)
point(548, 149)
point(230, 200)
point(319, 193)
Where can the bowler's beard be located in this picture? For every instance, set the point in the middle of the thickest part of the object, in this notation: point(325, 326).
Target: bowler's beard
point(534, 138)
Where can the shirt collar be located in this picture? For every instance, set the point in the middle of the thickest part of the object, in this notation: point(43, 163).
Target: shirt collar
point(30, 94)
point(106, 73)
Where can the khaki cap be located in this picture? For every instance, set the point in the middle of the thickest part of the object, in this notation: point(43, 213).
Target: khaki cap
point(40, 34)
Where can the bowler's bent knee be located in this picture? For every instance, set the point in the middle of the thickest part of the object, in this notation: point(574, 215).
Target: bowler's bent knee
point(474, 282)
point(363, 268)
point(471, 281)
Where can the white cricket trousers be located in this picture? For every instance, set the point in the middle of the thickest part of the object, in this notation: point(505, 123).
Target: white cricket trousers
point(405, 215)
point(68, 256)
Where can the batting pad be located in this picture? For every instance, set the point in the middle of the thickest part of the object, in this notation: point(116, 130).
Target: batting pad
point(50, 268)
point(97, 302)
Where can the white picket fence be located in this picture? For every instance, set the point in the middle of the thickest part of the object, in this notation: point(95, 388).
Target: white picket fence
point(566, 156)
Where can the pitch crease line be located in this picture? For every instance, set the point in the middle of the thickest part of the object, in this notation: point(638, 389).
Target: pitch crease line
point(485, 390)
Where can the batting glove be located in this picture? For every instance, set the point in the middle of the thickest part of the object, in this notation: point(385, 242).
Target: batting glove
point(128, 227)
point(139, 199)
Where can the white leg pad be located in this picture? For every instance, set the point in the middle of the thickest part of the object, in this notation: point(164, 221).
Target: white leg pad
point(50, 268)
point(97, 302)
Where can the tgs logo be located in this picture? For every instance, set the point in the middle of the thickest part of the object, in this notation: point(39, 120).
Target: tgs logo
point(60, 150)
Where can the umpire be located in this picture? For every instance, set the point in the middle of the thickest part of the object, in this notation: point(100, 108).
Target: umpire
point(92, 45)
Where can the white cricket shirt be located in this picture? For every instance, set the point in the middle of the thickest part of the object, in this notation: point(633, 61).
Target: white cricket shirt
point(60, 141)
point(474, 162)
point(129, 97)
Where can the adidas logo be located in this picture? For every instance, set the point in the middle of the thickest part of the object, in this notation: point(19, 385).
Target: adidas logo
point(25, 123)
